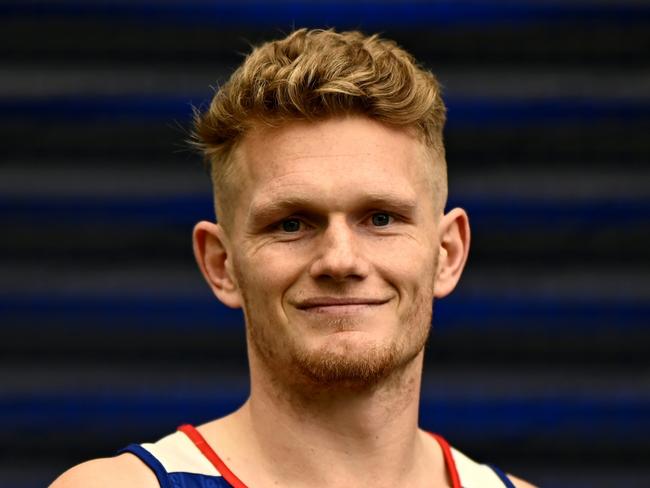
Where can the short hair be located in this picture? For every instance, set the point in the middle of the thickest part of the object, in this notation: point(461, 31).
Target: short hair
point(313, 75)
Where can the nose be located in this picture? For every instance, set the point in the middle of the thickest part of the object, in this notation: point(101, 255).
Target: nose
point(339, 257)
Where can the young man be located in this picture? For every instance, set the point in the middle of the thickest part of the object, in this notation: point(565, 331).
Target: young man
point(330, 186)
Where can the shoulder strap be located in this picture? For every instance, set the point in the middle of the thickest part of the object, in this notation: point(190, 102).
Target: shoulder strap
point(502, 476)
point(449, 460)
point(153, 464)
point(200, 442)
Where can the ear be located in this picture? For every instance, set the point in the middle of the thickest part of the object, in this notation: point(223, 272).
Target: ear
point(212, 256)
point(454, 238)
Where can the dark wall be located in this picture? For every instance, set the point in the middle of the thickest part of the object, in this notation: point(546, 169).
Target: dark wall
point(538, 362)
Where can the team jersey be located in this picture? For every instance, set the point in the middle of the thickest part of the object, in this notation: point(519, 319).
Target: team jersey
point(185, 460)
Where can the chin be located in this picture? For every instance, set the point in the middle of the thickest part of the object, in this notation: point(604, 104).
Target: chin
point(347, 360)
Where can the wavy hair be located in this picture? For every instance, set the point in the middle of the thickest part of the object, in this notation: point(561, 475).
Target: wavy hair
point(315, 74)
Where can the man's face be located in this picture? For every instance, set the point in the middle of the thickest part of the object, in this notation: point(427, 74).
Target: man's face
point(334, 247)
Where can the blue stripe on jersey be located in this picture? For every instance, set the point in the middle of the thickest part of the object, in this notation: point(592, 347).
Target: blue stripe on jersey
point(147, 458)
point(502, 476)
point(174, 480)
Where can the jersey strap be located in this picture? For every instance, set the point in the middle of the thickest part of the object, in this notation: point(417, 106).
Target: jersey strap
point(502, 475)
point(449, 460)
point(147, 458)
point(200, 442)
point(178, 463)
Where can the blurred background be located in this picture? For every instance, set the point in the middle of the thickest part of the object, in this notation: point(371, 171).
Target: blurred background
point(538, 363)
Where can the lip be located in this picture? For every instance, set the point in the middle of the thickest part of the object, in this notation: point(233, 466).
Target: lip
point(338, 302)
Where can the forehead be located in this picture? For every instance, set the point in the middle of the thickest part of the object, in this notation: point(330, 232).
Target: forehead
point(333, 160)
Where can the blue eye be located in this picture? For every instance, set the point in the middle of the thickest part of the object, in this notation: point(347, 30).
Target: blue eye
point(291, 225)
point(380, 219)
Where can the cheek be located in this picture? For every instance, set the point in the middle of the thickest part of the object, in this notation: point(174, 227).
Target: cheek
point(268, 273)
point(408, 263)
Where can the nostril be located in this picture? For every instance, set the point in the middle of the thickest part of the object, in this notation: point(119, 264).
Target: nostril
point(338, 266)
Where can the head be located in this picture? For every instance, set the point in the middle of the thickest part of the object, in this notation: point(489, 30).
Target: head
point(313, 75)
point(328, 166)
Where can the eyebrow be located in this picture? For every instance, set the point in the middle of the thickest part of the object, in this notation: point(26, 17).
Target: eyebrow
point(397, 203)
point(264, 211)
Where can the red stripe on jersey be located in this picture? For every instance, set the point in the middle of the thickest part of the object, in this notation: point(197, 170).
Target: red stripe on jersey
point(200, 442)
point(449, 460)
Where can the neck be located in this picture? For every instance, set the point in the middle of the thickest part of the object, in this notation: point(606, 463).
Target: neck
point(347, 435)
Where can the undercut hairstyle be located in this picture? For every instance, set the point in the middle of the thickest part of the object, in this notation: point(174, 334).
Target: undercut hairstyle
point(313, 75)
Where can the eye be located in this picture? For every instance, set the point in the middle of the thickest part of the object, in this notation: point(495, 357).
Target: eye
point(381, 219)
point(291, 225)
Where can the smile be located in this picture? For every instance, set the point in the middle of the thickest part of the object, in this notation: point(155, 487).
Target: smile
point(339, 306)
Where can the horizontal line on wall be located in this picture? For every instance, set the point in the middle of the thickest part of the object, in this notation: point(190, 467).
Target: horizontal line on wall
point(343, 14)
point(480, 112)
point(512, 417)
point(478, 312)
point(188, 209)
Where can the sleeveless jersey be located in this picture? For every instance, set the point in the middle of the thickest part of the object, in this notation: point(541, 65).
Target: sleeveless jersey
point(185, 460)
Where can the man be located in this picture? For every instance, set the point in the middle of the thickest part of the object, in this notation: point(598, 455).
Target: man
point(330, 186)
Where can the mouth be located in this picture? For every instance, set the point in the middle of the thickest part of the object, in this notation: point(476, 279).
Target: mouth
point(339, 305)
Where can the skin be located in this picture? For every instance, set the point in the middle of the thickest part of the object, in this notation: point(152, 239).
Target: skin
point(336, 249)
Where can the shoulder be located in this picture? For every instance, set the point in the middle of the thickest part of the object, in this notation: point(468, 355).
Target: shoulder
point(124, 470)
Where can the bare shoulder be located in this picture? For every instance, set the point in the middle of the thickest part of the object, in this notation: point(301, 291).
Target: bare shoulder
point(124, 470)
point(519, 483)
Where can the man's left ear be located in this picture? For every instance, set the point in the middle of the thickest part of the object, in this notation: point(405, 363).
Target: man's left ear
point(454, 237)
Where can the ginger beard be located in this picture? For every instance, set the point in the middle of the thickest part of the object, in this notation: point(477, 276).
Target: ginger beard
point(337, 365)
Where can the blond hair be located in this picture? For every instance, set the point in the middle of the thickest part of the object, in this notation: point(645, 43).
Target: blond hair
point(315, 74)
